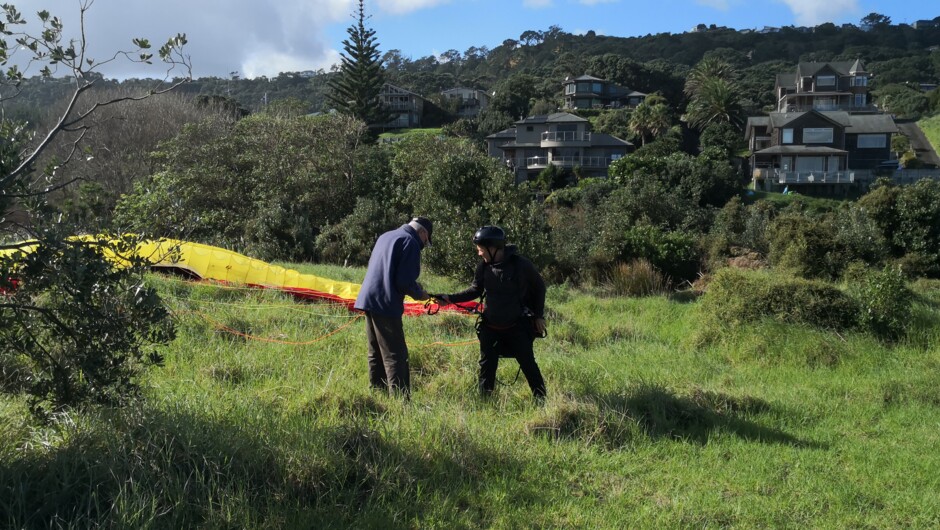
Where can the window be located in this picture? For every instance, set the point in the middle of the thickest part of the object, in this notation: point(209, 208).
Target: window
point(860, 100)
point(826, 80)
point(528, 128)
point(569, 88)
point(817, 135)
point(787, 137)
point(860, 81)
point(871, 141)
point(596, 88)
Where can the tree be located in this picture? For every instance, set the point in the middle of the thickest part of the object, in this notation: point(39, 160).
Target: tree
point(875, 20)
point(75, 328)
point(716, 101)
point(652, 117)
point(357, 88)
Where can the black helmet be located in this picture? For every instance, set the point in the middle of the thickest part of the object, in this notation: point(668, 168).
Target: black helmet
point(490, 236)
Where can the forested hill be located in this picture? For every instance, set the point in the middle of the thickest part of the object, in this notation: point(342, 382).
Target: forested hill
point(895, 54)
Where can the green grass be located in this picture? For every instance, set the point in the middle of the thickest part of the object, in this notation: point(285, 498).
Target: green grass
point(409, 132)
point(771, 426)
point(931, 128)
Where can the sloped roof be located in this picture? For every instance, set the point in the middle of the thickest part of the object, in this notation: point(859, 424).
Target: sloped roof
point(871, 124)
point(557, 117)
point(853, 123)
point(606, 140)
point(841, 67)
point(586, 77)
point(782, 119)
point(505, 133)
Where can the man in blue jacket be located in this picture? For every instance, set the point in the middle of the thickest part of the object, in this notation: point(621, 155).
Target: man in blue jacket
point(394, 267)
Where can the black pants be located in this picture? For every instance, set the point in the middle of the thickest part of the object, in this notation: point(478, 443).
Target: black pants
point(513, 342)
point(388, 353)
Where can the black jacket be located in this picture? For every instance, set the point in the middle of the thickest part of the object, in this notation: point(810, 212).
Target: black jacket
point(509, 286)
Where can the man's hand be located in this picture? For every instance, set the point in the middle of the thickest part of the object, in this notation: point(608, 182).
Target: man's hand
point(540, 326)
point(441, 298)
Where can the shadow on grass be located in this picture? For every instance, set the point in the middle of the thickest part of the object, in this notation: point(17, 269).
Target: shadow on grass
point(616, 421)
point(175, 470)
point(662, 414)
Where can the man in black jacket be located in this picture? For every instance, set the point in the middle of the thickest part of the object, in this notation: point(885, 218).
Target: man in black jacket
point(513, 311)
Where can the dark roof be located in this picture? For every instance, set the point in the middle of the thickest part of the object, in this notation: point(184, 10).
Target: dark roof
point(606, 140)
point(505, 133)
point(841, 67)
point(781, 119)
point(754, 122)
point(557, 117)
point(853, 123)
point(871, 124)
point(584, 77)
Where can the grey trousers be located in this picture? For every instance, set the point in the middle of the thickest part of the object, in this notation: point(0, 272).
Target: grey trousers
point(388, 353)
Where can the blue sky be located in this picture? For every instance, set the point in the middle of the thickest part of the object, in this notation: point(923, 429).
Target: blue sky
point(265, 37)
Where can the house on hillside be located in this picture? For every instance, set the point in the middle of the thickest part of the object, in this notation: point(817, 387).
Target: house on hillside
point(406, 106)
point(823, 152)
point(588, 92)
point(559, 139)
point(825, 87)
point(472, 101)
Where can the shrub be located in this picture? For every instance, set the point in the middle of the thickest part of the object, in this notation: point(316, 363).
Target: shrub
point(77, 330)
point(806, 246)
point(885, 303)
point(673, 253)
point(735, 297)
point(637, 278)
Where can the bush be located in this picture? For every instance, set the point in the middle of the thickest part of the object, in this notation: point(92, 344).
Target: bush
point(807, 247)
point(673, 253)
point(735, 298)
point(885, 303)
point(636, 278)
point(76, 330)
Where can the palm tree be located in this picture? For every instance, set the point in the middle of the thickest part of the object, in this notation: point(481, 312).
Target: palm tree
point(708, 68)
point(716, 100)
point(652, 117)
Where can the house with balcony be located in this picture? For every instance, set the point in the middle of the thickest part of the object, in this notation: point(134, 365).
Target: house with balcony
point(817, 152)
point(560, 139)
point(471, 102)
point(587, 92)
point(825, 87)
point(406, 107)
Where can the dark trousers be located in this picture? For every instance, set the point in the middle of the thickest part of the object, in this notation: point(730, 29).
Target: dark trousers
point(388, 353)
point(513, 342)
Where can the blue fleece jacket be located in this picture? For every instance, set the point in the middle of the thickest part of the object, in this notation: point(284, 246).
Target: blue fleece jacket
point(393, 272)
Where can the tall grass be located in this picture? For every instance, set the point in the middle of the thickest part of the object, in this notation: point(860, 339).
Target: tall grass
point(931, 128)
point(770, 426)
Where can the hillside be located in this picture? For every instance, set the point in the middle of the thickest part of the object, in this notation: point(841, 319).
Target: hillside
point(252, 424)
point(895, 54)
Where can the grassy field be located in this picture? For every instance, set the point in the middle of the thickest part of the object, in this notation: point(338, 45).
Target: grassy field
point(931, 128)
point(261, 418)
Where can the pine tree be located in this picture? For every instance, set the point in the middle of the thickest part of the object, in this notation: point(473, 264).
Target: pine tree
point(356, 89)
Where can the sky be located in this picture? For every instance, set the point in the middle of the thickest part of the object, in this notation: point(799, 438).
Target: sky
point(266, 37)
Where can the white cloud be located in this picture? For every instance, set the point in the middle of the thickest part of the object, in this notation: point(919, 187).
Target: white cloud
point(270, 63)
point(596, 2)
point(399, 7)
point(814, 12)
